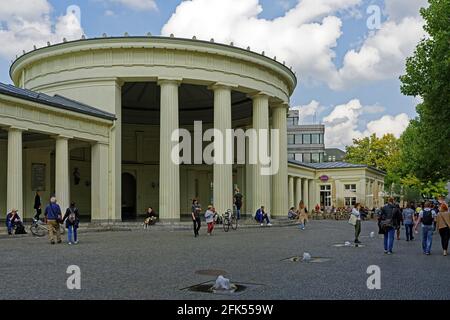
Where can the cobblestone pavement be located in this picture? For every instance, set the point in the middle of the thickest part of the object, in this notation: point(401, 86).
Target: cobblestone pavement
point(158, 264)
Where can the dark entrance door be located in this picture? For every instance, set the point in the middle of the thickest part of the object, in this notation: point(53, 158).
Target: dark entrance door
point(128, 197)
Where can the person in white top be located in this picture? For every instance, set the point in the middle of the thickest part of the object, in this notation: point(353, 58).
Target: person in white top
point(356, 212)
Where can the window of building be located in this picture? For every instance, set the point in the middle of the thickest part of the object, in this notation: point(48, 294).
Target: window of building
point(298, 139)
point(350, 201)
point(350, 187)
point(299, 157)
point(291, 156)
point(306, 139)
point(290, 138)
point(315, 138)
point(321, 138)
point(292, 121)
point(315, 157)
point(307, 157)
point(325, 195)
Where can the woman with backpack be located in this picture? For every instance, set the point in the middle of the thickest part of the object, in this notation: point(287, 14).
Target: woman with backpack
point(72, 218)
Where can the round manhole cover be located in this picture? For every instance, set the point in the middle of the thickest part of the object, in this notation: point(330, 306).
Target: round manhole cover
point(211, 272)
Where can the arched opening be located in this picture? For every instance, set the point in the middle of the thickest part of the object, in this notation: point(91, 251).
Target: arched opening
point(128, 196)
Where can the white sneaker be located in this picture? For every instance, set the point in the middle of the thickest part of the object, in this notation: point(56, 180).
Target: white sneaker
point(76, 242)
point(262, 224)
point(69, 243)
point(269, 224)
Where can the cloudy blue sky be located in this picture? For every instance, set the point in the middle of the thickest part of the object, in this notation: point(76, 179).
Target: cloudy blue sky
point(348, 54)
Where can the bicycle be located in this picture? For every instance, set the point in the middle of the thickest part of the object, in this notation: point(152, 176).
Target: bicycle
point(39, 229)
point(229, 219)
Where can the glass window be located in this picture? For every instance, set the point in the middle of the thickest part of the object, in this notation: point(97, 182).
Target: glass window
point(350, 201)
point(350, 187)
point(321, 138)
point(315, 157)
point(306, 139)
point(299, 157)
point(298, 139)
point(291, 156)
point(307, 157)
point(290, 139)
point(315, 139)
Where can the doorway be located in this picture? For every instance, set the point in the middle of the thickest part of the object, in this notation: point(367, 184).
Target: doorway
point(128, 197)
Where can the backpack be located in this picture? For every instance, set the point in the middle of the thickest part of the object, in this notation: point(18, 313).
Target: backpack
point(427, 217)
point(72, 216)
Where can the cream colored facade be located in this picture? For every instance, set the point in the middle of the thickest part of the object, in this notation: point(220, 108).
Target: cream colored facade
point(365, 186)
point(100, 73)
point(151, 86)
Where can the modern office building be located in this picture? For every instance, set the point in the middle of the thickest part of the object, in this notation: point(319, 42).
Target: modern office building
point(334, 155)
point(305, 142)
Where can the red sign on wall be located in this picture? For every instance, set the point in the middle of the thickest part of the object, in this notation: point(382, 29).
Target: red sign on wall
point(324, 178)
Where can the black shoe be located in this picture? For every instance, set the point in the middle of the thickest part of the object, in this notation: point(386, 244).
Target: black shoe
point(52, 242)
point(357, 241)
point(59, 241)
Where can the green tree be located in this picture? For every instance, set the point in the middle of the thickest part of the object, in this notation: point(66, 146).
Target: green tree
point(425, 145)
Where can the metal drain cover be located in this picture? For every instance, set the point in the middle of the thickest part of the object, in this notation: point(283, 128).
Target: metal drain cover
point(211, 272)
point(207, 287)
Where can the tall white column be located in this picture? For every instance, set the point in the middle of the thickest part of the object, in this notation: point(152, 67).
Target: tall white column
point(291, 191)
point(114, 99)
point(261, 187)
point(99, 185)
point(279, 180)
point(306, 194)
point(169, 171)
point(62, 182)
point(14, 193)
point(223, 172)
point(312, 193)
point(298, 191)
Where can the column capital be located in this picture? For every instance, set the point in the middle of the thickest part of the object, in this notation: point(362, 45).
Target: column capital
point(222, 85)
point(169, 80)
point(259, 95)
point(15, 128)
point(280, 105)
point(62, 137)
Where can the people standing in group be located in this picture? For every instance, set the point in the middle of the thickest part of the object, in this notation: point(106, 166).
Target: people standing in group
point(427, 217)
point(302, 214)
point(209, 217)
point(53, 217)
point(408, 221)
point(387, 225)
point(356, 212)
point(72, 219)
point(443, 226)
point(196, 209)
point(238, 202)
point(261, 216)
point(37, 205)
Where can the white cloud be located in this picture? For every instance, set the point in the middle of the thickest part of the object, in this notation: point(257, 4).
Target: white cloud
point(304, 37)
point(136, 4)
point(109, 13)
point(343, 124)
point(28, 23)
point(383, 53)
point(309, 112)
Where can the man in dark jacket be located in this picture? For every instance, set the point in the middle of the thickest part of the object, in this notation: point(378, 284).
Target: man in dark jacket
point(388, 220)
point(37, 205)
point(53, 217)
point(72, 219)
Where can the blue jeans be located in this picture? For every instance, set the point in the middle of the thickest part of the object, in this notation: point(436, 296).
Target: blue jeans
point(238, 212)
point(409, 231)
point(427, 238)
point(71, 229)
point(9, 226)
point(264, 217)
point(389, 239)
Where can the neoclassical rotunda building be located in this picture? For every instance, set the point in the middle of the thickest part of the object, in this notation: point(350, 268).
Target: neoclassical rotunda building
point(91, 121)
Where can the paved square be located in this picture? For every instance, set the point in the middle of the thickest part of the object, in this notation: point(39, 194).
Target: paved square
point(159, 264)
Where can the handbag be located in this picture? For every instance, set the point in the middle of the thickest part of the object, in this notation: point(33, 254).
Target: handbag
point(352, 220)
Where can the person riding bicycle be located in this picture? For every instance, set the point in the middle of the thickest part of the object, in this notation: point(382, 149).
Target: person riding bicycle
point(72, 219)
point(13, 221)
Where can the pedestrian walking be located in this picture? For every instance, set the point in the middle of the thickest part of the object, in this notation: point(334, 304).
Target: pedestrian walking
point(302, 214)
point(443, 226)
point(356, 212)
point(209, 217)
point(398, 221)
point(408, 221)
point(53, 218)
point(72, 219)
point(37, 205)
point(196, 209)
point(427, 217)
point(387, 226)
